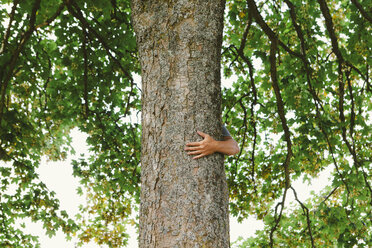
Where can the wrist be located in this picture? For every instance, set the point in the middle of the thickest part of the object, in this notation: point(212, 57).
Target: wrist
point(216, 146)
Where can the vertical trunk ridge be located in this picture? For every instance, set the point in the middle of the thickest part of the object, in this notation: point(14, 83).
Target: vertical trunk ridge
point(184, 202)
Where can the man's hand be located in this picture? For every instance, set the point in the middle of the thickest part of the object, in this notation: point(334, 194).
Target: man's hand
point(209, 146)
point(202, 148)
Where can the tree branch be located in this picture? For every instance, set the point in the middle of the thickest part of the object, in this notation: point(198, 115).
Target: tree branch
point(329, 195)
point(85, 76)
point(280, 105)
point(352, 116)
point(7, 33)
point(329, 24)
point(362, 11)
point(77, 13)
point(244, 136)
point(312, 91)
point(306, 212)
point(303, 53)
point(265, 27)
point(334, 41)
point(13, 61)
point(53, 17)
point(245, 35)
point(240, 53)
point(281, 111)
point(277, 218)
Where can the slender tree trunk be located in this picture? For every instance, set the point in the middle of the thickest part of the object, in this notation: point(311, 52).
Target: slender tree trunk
point(184, 202)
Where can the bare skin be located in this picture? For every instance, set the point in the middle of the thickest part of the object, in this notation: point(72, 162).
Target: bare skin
point(208, 146)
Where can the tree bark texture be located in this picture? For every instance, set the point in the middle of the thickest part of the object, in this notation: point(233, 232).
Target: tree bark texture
point(184, 202)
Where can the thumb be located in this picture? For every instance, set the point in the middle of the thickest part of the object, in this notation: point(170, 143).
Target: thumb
point(201, 134)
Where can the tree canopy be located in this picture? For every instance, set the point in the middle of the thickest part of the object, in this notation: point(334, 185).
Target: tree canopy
point(301, 103)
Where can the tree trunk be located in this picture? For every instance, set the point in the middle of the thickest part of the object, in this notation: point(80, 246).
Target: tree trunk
point(184, 202)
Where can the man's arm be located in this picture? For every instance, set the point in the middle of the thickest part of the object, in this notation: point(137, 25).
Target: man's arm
point(209, 146)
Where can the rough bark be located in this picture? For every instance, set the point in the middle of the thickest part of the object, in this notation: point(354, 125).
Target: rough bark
point(184, 202)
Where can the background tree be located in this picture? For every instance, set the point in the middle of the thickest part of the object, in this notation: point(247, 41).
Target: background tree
point(301, 104)
point(67, 64)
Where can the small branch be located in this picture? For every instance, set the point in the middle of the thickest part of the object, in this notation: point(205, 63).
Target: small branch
point(329, 195)
point(357, 70)
point(329, 24)
point(245, 126)
point(362, 11)
point(77, 13)
point(85, 53)
point(280, 105)
point(244, 137)
point(330, 28)
point(240, 53)
point(53, 17)
point(13, 61)
point(43, 90)
point(352, 116)
point(316, 99)
point(369, 88)
point(306, 212)
point(245, 35)
point(281, 111)
point(303, 53)
point(277, 218)
point(7, 33)
point(265, 27)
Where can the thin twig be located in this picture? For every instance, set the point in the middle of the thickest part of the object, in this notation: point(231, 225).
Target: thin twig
point(306, 212)
point(362, 11)
point(7, 33)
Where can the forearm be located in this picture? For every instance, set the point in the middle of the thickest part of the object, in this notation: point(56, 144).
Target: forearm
point(227, 147)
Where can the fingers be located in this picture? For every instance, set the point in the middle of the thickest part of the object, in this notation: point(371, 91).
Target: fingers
point(193, 144)
point(201, 134)
point(199, 153)
point(199, 142)
point(194, 147)
point(194, 153)
point(199, 156)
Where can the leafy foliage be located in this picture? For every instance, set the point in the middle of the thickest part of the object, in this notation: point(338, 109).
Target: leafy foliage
point(67, 64)
point(301, 103)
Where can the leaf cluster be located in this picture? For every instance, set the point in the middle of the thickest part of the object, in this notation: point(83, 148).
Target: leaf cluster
point(300, 104)
point(65, 65)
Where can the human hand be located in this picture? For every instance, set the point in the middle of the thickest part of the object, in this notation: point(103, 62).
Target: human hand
point(202, 148)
